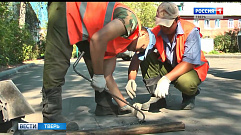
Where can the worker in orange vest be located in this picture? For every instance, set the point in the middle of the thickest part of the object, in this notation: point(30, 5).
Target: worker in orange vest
point(101, 30)
point(177, 58)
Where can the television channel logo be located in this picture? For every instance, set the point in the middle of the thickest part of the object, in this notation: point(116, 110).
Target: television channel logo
point(208, 13)
point(27, 126)
point(41, 126)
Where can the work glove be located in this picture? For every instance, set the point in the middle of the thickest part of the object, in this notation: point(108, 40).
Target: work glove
point(98, 82)
point(131, 88)
point(162, 87)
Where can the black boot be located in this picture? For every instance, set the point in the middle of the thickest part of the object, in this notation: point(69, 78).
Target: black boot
point(104, 106)
point(52, 109)
point(154, 103)
point(188, 102)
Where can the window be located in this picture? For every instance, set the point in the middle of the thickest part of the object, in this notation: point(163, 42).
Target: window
point(239, 23)
point(195, 21)
point(217, 23)
point(230, 23)
point(206, 23)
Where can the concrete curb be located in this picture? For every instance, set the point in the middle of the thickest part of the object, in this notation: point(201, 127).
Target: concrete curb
point(15, 70)
point(222, 56)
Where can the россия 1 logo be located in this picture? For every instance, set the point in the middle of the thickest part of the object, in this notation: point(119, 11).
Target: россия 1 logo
point(208, 13)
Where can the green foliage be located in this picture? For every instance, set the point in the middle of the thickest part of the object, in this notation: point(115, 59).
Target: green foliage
point(228, 42)
point(41, 47)
point(213, 52)
point(16, 45)
point(74, 54)
point(146, 12)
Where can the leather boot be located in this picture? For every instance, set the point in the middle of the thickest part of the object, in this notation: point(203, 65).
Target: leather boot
point(154, 103)
point(104, 106)
point(188, 102)
point(52, 108)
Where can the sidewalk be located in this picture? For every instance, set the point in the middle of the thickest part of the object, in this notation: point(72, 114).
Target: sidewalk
point(13, 71)
point(235, 55)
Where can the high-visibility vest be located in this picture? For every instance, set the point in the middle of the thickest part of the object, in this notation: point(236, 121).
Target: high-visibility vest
point(180, 42)
point(86, 18)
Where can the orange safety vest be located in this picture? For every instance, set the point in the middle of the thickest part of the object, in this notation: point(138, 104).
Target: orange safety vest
point(180, 42)
point(86, 18)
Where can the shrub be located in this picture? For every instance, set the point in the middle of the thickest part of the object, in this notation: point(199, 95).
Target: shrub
point(16, 45)
point(228, 42)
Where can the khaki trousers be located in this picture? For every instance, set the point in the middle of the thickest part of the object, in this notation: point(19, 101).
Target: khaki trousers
point(153, 69)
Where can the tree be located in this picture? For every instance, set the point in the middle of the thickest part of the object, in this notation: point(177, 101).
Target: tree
point(16, 45)
point(22, 14)
point(41, 12)
point(146, 11)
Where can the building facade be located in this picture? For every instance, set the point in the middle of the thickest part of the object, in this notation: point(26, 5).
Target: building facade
point(210, 28)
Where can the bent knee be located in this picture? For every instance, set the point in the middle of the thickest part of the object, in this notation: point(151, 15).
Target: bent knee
point(187, 86)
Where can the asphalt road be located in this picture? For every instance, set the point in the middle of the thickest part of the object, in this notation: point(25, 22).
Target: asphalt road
point(217, 111)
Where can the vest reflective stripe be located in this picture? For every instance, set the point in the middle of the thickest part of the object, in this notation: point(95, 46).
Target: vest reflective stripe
point(109, 12)
point(82, 13)
point(181, 39)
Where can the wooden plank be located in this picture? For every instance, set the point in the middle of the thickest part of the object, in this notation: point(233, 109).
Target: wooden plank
point(134, 129)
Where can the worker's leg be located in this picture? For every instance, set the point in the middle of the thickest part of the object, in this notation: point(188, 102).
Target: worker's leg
point(103, 99)
point(57, 60)
point(188, 85)
point(152, 70)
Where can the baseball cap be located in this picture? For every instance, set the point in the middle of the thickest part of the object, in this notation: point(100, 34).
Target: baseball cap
point(152, 42)
point(166, 13)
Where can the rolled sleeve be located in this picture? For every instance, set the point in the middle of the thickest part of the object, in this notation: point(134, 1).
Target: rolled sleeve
point(192, 53)
point(128, 19)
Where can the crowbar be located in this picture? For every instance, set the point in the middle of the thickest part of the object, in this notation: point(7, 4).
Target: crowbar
point(74, 68)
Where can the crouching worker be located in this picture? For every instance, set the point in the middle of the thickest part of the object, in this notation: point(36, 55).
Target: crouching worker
point(178, 59)
point(101, 30)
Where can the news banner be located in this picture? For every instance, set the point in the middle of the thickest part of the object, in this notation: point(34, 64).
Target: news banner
point(41, 126)
point(208, 13)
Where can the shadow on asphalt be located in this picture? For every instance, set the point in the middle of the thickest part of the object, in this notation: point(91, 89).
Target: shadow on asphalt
point(226, 74)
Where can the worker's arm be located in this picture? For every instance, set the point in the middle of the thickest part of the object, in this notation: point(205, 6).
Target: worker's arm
point(191, 56)
point(132, 73)
point(98, 45)
point(179, 70)
point(109, 67)
point(99, 41)
point(133, 67)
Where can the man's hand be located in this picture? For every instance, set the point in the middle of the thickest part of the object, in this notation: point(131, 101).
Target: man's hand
point(131, 88)
point(162, 87)
point(98, 83)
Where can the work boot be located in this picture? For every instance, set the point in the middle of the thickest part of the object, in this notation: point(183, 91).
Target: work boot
point(128, 109)
point(52, 108)
point(188, 102)
point(154, 104)
point(104, 106)
point(125, 110)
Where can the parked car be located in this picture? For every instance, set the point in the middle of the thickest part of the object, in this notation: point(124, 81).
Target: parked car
point(126, 56)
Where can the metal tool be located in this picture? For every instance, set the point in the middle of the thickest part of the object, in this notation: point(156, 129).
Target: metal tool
point(74, 68)
point(13, 106)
